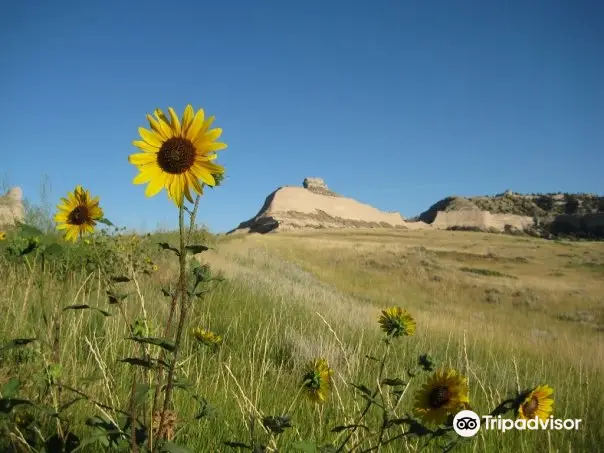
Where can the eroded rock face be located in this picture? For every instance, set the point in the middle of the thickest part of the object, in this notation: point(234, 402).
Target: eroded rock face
point(315, 206)
point(11, 207)
point(318, 186)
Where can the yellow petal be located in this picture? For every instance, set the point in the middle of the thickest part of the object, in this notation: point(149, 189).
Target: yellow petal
point(175, 191)
point(155, 186)
point(187, 117)
point(175, 121)
point(208, 123)
point(213, 134)
point(142, 158)
point(196, 126)
point(156, 126)
point(189, 182)
point(150, 137)
point(165, 126)
point(72, 234)
point(206, 176)
point(145, 146)
point(196, 185)
point(208, 147)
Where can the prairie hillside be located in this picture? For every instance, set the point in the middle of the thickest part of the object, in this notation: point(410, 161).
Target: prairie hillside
point(508, 312)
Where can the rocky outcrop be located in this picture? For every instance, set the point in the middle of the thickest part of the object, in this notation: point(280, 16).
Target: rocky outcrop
point(11, 208)
point(481, 220)
point(463, 213)
point(315, 206)
point(590, 226)
point(318, 186)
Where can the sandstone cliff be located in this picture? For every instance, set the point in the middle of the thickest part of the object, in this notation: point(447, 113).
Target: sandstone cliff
point(315, 206)
point(11, 208)
point(577, 214)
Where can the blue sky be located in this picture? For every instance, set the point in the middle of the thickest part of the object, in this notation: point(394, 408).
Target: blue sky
point(394, 103)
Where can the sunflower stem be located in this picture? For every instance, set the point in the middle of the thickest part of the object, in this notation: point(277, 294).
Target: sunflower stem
point(369, 400)
point(173, 306)
point(181, 321)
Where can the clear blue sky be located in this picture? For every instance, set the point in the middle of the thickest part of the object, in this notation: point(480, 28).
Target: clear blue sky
point(394, 103)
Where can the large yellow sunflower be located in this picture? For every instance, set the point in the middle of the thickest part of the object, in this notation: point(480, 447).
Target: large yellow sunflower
point(536, 403)
point(396, 322)
point(317, 380)
point(2, 235)
point(78, 213)
point(445, 394)
point(177, 155)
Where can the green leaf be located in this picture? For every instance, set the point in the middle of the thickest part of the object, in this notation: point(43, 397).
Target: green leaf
point(196, 249)
point(7, 404)
point(362, 388)
point(28, 231)
point(150, 364)
point(339, 429)
point(164, 343)
point(166, 246)
point(54, 249)
point(115, 299)
point(120, 279)
point(17, 343)
point(11, 388)
point(393, 382)
point(171, 447)
point(277, 424)
point(105, 221)
point(87, 307)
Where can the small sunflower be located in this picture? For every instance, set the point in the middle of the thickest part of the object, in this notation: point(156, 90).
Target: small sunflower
point(396, 322)
point(178, 154)
point(445, 393)
point(206, 337)
point(535, 403)
point(2, 235)
point(317, 380)
point(154, 267)
point(78, 213)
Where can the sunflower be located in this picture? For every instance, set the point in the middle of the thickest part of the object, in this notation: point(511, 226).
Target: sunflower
point(177, 155)
point(206, 337)
point(396, 322)
point(78, 213)
point(445, 393)
point(535, 403)
point(2, 235)
point(317, 380)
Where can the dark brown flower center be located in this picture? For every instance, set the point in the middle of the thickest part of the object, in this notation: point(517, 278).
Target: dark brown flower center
point(176, 155)
point(439, 397)
point(530, 407)
point(78, 216)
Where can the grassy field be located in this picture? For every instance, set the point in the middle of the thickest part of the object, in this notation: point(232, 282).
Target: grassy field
point(509, 312)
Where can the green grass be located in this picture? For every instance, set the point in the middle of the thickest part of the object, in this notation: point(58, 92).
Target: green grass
point(290, 298)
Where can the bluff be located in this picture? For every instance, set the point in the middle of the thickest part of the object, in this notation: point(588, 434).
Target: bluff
point(580, 215)
point(11, 208)
point(314, 205)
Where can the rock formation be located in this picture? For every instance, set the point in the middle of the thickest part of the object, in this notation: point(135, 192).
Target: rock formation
point(11, 208)
point(315, 206)
point(572, 214)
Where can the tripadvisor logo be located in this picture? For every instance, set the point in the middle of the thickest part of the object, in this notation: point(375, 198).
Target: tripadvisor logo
point(467, 423)
point(505, 424)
